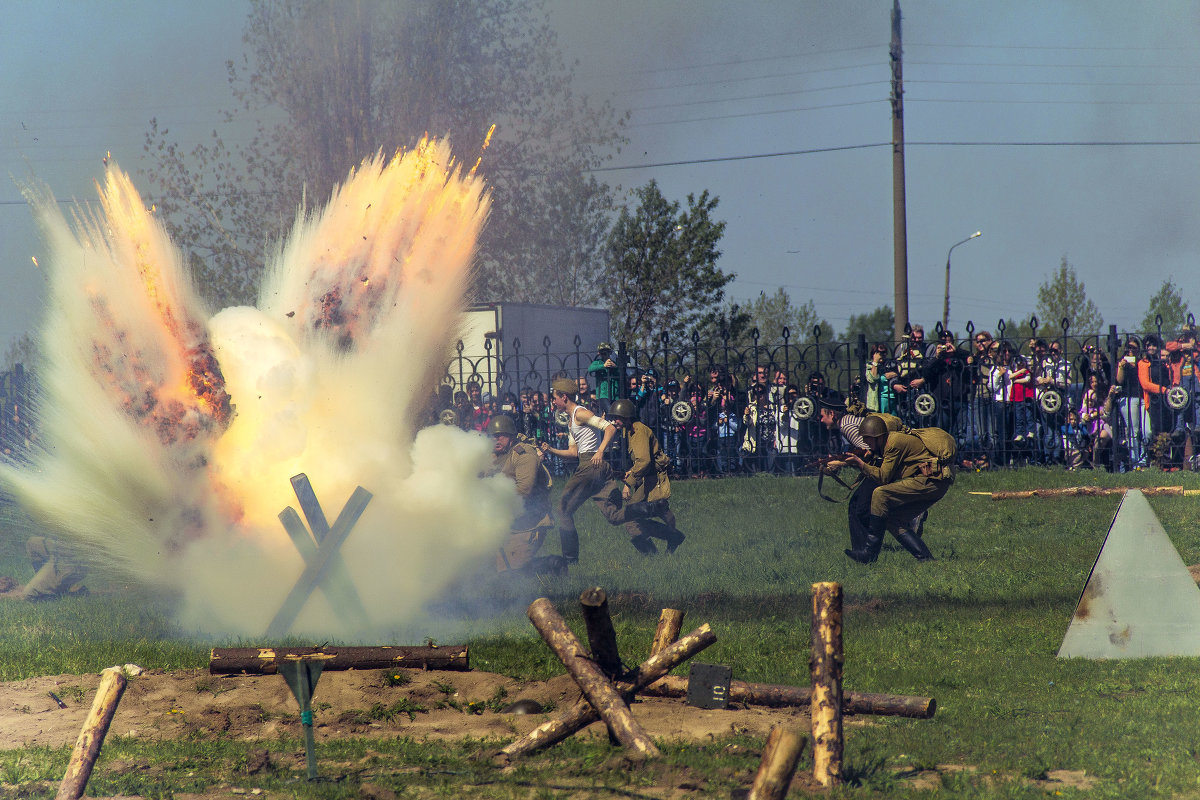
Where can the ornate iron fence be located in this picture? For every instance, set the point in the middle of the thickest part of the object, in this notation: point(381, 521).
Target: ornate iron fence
point(700, 399)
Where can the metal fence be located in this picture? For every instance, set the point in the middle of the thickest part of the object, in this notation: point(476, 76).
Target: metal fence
point(1007, 401)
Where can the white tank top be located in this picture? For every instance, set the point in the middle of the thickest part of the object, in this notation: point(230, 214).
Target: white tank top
point(587, 438)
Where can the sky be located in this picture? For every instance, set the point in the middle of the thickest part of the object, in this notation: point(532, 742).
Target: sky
point(1066, 129)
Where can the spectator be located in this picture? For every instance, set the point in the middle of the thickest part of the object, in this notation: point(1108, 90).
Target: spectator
point(1184, 373)
point(758, 431)
point(1051, 374)
point(606, 374)
point(944, 375)
point(977, 439)
point(880, 396)
point(1154, 376)
point(789, 436)
point(1094, 411)
point(1132, 424)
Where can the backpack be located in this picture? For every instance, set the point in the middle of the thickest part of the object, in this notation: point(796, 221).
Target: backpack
point(939, 443)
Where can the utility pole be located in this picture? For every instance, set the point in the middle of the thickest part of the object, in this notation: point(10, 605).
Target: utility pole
point(899, 218)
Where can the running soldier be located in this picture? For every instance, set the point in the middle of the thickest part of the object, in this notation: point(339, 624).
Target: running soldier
point(522, 463)
point(646, 487)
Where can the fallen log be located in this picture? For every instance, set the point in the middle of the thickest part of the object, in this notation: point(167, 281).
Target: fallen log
point(265, 660)
point(1091, 491)
point(779, 696)
point(580, 715)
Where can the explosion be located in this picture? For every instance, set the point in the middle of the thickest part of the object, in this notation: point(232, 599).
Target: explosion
point(169, 435)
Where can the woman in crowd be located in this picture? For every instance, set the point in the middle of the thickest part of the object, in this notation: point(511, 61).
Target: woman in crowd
point(1093, 417)
point(880, 396)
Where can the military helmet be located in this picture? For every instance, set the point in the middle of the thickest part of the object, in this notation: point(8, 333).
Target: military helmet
point(622, 408)
point(501, 424)
point(873, 426)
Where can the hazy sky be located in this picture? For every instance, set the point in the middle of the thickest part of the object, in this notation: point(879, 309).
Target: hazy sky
point(1040, 123)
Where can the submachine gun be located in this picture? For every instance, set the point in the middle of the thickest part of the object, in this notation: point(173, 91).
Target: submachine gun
point(831, 465)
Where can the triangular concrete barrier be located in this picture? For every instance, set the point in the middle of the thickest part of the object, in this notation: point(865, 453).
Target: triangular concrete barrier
point(1139, 600)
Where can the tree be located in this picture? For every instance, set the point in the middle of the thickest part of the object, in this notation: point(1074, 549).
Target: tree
point(769, 315)
point(1063, 295)
point(662, 267)
point(324, 85)
point(1169, 304)
point(22, 350)
point(877, 326)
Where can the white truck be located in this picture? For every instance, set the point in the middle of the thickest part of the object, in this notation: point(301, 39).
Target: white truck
point(510, 346)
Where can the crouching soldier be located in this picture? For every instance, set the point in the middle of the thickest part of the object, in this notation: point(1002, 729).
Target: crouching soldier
point(57, 572)
point(521, 462)
point(909, 477)
point(645, 487)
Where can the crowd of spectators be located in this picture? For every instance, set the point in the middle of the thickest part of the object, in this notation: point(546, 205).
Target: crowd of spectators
point(1041, 401)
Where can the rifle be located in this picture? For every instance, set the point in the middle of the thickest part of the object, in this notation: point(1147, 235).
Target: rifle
point(831, 465)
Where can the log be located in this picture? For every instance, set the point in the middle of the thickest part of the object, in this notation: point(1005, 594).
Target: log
point(825, 710)
point(596, 687)
point(602, 639)
point(670, 622)
point(1090, 491)
point(780, 696)
point(583, 714)
point(265, 660)
point(780, 755)
point(91, 735)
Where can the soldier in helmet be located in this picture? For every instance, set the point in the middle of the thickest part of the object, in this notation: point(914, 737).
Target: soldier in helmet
point(521, 462)
point(909, 479)
point(645, 486)
point(588, 436)
point(846, 419)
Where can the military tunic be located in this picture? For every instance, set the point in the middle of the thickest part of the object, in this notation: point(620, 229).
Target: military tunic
point(523, 465)
point(903, 491)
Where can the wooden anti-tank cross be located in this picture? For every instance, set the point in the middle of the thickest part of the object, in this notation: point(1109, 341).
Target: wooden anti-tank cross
point(324, 565)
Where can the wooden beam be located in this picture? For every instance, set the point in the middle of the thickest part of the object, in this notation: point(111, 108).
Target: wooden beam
point(316, 570)
point(596, 687)
point(582, 714)
point(602, 639)
point(781, 753)
point(265, 660)
point(779, 696)
point(91, 735)
point(825, 709)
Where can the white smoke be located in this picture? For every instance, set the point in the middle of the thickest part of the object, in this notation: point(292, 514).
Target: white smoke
point(156, 467)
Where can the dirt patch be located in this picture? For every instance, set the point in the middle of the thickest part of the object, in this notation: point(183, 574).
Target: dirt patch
point(424, 705)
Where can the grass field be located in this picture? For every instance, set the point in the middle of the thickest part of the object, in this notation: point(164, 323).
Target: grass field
point(977, 629)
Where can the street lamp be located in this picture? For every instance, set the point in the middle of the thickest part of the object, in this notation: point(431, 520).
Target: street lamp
point(946, 304)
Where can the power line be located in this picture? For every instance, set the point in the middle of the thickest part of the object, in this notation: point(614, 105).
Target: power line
point(753, 113)
point(741, 158)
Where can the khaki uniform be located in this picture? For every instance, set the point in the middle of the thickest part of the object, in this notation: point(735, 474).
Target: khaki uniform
point(902, 492)
point(647, 482)
point(523, 465)
point(57, 572)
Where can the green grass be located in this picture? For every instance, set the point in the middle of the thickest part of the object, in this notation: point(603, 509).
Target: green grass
point(977, 629)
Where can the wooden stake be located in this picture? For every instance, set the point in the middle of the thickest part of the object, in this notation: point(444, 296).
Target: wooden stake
point(596, 687)
point(91, 736)
point(766, 694)
point(826, 668)
point(583, 714)
point(265, 660)
point(670, 622)
point(780, 755)
point(602, 639)
point(338, 588)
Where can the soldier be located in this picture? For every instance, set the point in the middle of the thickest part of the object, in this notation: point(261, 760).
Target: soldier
point(57, 572)
point(588, 436)
point(645, 487)
point(910, 479)
point(847, 420)
point(521, 462)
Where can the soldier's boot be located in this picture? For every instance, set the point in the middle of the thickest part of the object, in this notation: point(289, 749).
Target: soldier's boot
point(917, 526)
point(644, 545)
point(872, 542)
point(568, 543)
point(915, 545)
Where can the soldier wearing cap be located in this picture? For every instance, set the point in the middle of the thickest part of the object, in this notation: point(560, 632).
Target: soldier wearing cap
point(588, 436)
point(847, 420)
point(908, 480)
point(606, 376)
point(520, 461)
